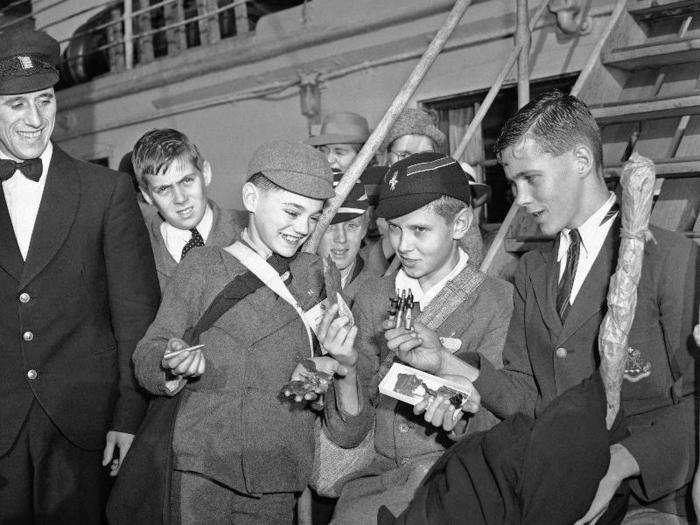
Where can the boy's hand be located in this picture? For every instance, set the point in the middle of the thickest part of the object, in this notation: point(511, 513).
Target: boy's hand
point(306, 385)
point(338, 339)
point(440, 412)
point(419, 347)
point(190, 363)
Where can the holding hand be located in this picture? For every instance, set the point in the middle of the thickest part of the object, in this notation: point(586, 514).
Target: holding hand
point(439, 410)
point(338, 339)
point(419, 347)
point(311, 378)
point(183, 362)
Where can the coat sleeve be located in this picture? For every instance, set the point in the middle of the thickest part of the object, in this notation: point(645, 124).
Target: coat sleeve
point(663, 441)
point(133, 295)
point(179, 310)
point(510, 390)
point(345, 430)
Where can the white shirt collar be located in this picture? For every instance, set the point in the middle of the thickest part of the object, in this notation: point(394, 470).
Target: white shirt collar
point(404, 282)
point(590, 231)
point(176, 238)
point(45, 157)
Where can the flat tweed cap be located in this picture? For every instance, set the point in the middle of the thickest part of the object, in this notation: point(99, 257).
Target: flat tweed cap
point(341, 128)
point(295, 167)
point(418, 180)
point(28, 62)
point(413, 121)
point(356, 203)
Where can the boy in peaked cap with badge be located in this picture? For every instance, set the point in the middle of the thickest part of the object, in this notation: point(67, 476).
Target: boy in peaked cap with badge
point(426, 201)
point(344, 237)
point(240, 453)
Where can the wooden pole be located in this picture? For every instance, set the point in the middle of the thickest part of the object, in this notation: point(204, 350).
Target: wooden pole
point(523, 38)
point(128, 35)
point(496, 87)
point(377, 137)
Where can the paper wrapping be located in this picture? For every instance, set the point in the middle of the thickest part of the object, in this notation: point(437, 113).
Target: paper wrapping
point(637, 182)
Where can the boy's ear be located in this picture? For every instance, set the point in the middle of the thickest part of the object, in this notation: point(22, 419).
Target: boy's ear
point(250, 194)
point(462, 222)
point(146, 195)
point(206, 172)
point(583, 160)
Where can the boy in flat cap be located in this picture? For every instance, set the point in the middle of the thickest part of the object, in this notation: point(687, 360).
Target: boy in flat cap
point(240, 454)
point(77, 290)
point(425, 199)
point(173, 177)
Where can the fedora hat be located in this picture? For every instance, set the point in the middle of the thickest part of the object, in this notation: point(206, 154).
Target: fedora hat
point(341, 128)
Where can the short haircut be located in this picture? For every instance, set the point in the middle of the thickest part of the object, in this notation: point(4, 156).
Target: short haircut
point(260, 181)
point(156, 150)
point(448, 207)
point(557, 123)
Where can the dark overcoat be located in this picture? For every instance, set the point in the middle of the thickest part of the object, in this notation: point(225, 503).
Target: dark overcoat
point(72, 313)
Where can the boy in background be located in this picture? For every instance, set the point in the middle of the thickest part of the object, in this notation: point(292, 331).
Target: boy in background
point(174, 177)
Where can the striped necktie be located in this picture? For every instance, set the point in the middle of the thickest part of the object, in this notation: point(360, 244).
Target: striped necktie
point(567, 279)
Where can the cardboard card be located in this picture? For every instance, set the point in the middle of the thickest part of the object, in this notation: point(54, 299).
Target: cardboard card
point(411, 385)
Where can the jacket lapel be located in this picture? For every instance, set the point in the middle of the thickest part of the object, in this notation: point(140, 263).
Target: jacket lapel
point(592, 295)
point(544, 285)
point(10, 256)
point(59, 205)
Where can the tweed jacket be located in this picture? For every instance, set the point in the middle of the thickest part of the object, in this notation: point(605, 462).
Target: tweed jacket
point(72, 313)
point(361, 273)
point(234, 427)
point(544, 358)
point(405, 445)
point(226, 227)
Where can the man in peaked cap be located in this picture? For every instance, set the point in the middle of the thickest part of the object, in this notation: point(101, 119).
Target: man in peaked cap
point(77, 291)
point(426, 200)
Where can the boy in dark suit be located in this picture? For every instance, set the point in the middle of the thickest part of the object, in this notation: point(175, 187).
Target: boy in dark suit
point(173, 177)
point(241, 455)
point(551, 152)
point(77, 290)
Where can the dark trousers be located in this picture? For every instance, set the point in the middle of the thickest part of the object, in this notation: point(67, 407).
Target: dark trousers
point(45, 478)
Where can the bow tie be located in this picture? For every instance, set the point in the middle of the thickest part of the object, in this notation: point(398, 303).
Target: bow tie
point(31, 168)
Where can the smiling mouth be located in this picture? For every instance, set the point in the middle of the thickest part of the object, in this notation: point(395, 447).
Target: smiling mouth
point(291, 239)
point(185, 212)
point(29, 134)
point(339, 253)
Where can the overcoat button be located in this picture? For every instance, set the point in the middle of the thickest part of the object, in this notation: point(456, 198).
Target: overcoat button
point(24, 297)
point(561, 352)
point(27, 336)
point(31, 374)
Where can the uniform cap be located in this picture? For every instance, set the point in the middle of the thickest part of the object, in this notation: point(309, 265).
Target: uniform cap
point(28, 62)
point(418, 180)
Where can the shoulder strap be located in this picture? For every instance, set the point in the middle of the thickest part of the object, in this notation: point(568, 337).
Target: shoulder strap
point(451, 296)
point(269, 276)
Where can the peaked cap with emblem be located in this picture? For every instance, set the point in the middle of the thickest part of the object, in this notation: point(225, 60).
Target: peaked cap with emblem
point(28, 62)
point(294, 167)
point(356, 203)
point(418, 180)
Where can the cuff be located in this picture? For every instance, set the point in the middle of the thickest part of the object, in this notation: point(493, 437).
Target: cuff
point(344, 429)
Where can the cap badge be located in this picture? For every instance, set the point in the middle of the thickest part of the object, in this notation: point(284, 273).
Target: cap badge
point(25, 62)
point(393, 181)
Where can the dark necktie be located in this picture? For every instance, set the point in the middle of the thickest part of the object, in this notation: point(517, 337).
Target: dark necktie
point(31, 168)
point(612, 211)
point(567, 279)
point(195, 240)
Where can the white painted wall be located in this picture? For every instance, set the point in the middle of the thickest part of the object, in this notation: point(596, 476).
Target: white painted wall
point(228, 132)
